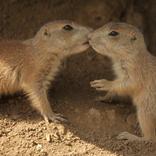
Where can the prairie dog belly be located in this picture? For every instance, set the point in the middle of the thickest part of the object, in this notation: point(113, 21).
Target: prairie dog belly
point(9, 79)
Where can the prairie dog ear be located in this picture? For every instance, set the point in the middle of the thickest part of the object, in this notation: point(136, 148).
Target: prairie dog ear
point(46, 32)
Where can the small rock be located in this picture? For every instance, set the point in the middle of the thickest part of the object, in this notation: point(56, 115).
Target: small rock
point(57, 136)
point(39, 147)
point(68, 143)
point(61, 129)
point(34, 143)
point(44, 154)
point(69, 135)
point(48, 137)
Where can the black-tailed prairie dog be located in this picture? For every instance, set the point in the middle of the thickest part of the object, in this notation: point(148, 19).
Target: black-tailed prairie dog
point(30, 65)
point(135, 69)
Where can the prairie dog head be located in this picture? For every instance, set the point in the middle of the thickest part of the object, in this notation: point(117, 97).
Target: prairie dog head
point(64, 37)
point(118, 40)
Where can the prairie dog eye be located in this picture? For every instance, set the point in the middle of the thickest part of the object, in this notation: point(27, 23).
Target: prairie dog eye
point(113, 33)
point(68, 27)
point(133, 38)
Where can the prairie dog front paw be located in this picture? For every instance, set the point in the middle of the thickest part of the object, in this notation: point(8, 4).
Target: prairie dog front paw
point(101, 85)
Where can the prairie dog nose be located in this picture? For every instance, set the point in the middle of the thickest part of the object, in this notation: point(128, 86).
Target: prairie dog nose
point(90, 35)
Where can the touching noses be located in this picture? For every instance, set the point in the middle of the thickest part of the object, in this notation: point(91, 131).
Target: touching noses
point(90, 36)
point(90, 30)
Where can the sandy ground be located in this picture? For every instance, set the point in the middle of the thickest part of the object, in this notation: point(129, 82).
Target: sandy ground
point(92, 129)
point(93, 126)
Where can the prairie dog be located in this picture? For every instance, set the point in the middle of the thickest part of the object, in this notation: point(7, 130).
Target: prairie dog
point(135, 68)
point(30, 65)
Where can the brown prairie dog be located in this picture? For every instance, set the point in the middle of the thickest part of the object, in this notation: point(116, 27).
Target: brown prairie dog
point(135, 68)
point(30, 65)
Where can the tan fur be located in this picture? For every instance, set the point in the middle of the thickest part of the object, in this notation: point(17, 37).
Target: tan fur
point(30, 65)
point(135, 68)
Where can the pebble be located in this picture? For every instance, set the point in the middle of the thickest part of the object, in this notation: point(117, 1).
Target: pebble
point(39, 147)
point(48, 137)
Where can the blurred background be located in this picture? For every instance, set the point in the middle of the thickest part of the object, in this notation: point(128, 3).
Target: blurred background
point(22, 18)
